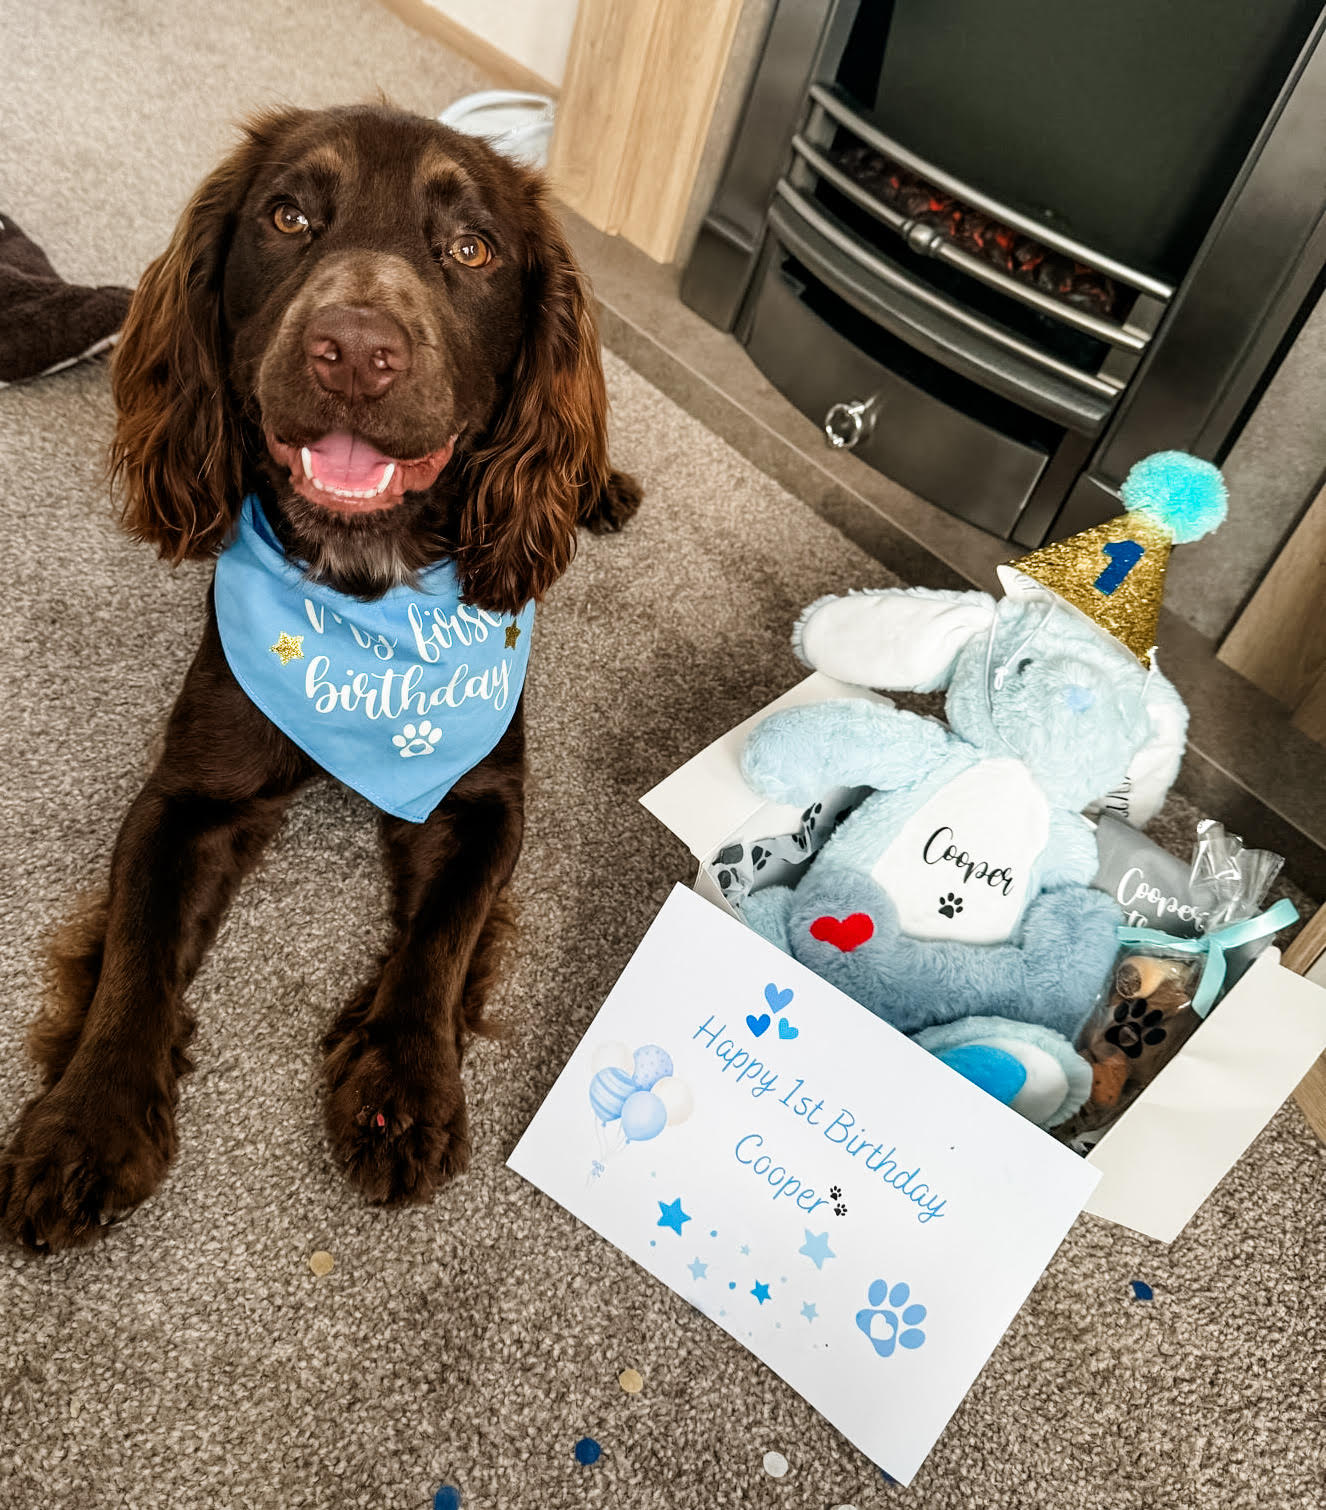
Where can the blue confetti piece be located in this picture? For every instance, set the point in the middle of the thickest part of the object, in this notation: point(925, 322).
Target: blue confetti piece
point(1141, 1290)
point(447, 1498)
point(588, 1452)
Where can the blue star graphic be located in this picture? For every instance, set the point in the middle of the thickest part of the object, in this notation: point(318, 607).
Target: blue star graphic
point(673, 1216)
point(808, 1311)
point(745, 1249)
point(698, 1270)
point(817, 1248)
point(760, 1292)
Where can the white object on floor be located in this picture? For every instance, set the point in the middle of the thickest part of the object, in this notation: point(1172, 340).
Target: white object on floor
point(514, 124)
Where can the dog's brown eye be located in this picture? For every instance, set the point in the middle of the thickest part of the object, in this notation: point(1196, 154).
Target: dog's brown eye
point(290, 219)
point(470, 250)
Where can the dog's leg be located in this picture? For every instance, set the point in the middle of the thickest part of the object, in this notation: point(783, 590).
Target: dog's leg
point(98, 1140)
point(395, 1102)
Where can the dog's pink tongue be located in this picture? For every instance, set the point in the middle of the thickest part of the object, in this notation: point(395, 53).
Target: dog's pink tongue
point(345, 463)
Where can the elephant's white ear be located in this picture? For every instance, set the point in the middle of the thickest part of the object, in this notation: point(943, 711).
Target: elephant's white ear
point(1152, 770)
point(906, 639)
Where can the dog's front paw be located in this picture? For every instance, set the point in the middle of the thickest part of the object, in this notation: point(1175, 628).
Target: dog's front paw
point(80, 1157)
point(395, 1111)
point(614, 506)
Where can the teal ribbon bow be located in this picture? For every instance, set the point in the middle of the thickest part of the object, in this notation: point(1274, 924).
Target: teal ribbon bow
point(1214, 945)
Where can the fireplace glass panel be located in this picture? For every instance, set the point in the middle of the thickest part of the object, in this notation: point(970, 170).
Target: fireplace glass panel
point(1131, 153)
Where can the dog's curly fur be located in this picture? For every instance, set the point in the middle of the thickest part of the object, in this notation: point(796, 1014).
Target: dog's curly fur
point(215, 391)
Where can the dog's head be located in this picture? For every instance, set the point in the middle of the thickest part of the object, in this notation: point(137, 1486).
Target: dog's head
point(377, 323)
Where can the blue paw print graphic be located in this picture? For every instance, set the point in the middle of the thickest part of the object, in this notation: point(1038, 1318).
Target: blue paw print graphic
point(881, 1326)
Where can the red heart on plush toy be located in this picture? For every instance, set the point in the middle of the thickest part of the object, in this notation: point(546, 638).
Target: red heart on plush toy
point(843, 933)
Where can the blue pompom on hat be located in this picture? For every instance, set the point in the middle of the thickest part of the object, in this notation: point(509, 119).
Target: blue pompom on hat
point(1184, 495)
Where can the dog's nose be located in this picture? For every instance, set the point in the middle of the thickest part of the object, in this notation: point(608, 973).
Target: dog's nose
point(356, 352)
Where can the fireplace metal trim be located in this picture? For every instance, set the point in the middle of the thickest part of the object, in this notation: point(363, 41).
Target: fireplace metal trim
point(833, 102)
point(942, 250)
point(986, 473)
point(1084, 384)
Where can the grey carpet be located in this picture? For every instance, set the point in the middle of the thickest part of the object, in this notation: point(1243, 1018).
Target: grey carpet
point(193, 1359)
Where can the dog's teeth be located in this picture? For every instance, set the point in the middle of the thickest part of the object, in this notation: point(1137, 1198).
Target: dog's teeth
point(322, 487)
point(307, 460)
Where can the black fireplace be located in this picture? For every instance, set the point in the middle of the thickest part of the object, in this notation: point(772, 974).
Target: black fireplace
point(1004, 250)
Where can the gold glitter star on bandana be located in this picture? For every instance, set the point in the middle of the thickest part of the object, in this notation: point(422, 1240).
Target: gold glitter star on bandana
point(512, 635)
point(290, 647)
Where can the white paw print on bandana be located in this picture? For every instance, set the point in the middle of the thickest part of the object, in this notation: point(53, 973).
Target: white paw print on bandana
point(416, 741)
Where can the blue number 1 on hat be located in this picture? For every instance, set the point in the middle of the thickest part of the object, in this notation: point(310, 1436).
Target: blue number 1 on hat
point(1123, 556)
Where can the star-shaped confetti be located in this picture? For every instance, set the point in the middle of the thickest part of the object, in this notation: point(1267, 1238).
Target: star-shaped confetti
point(698, 1270)
point(816, 1248)
point(808, 1311)
point(512, 635)
point(673, 1216)
point(760, 1292)
point(290, 647)
point(745, 1248)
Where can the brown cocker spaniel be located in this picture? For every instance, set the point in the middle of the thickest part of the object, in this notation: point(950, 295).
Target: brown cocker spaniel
point(374, 326)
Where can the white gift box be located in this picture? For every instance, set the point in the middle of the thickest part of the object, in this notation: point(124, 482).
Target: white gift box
point(1169, 1150)
point(856, 1214)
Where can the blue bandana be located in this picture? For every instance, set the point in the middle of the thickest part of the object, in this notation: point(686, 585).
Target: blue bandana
point(397, 698)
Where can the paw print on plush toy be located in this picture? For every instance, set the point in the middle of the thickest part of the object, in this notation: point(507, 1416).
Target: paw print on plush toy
point(949, 905)
point(416, 741)
point(759, 856)
point(1135, 1025)
point(883, 1325)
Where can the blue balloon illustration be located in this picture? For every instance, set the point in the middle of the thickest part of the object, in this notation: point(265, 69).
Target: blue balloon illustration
point(643, 1117)
point(651, 1063)
point(608, 1093)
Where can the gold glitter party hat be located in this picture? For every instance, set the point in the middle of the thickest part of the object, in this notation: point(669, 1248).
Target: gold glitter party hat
point(1114, 572)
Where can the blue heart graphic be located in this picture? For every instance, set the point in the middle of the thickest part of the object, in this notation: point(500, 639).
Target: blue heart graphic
point(777, 999)
point(759, 1024)
point(785, 1029)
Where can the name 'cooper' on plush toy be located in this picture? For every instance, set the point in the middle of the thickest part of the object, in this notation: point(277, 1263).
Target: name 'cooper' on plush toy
point(959, 887)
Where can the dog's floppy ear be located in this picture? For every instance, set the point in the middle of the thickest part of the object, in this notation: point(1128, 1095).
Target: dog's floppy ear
point(901, 638)
point(544, 460)
point(177, 457)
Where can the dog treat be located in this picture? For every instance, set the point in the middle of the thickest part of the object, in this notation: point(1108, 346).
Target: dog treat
point(1144, 1020)
point(1142, 975)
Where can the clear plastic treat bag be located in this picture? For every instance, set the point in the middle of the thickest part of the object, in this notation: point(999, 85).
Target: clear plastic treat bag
point(1163, 986)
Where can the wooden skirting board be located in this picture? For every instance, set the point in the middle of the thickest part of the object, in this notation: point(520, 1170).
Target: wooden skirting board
point(503, 70)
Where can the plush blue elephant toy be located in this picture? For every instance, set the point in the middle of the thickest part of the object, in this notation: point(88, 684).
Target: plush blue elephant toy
point(959, 886)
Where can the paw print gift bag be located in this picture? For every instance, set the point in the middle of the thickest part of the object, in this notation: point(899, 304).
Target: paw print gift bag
point(1162, 988)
